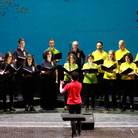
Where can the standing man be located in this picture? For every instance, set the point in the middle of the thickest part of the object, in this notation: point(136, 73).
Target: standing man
point(100, 54)
point(20, 52)
point(80, 57)
point(19, 55)
point(74, 99)
point(52, 48)
point(120, 54)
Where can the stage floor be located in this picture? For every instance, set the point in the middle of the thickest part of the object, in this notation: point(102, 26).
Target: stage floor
point(49, 124)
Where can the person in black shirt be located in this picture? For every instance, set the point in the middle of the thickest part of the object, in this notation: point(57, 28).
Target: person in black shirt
point(8, 79)
point(49, 81)
point(1, 58)
point(80, 57)
point(19, 54)
point(29, 82)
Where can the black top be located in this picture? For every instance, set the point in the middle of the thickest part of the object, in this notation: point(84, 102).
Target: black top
point(9, 76)
point(79, 54)
point(27, 69)
point(1, 58)
point(20, 55)
point(51, 64)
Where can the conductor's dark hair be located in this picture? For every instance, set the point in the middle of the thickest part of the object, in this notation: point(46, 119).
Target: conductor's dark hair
point(21, 39)
point(100, 42)
point(46, 53)
point(130, 56)
point(75, 76)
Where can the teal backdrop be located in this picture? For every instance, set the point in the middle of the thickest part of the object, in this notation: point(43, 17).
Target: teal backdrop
point(86, 21)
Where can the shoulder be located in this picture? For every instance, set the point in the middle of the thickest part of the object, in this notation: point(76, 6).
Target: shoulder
point(94, 52)
point(103, 52)
point(78, 83)
point(123, 64)
point(85, 64)
point(118, 52)
point(25, 50)
point(56, 51)
point(127, 51)
point(17, 49)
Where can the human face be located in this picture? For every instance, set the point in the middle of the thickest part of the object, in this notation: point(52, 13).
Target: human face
point(99, 46)
point(51, 44)
point(90, 60)
point(71, 59)
point(75, 45)
point(122, 45)
point(21, 44)
point(49, 55)
point(29, 60)
point(110, 55)
point(9, 57)
point(127, 59)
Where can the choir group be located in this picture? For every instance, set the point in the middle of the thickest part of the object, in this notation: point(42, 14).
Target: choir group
point(103, 74)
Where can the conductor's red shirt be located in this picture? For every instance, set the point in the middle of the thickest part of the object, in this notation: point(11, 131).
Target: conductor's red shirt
point(73, 88)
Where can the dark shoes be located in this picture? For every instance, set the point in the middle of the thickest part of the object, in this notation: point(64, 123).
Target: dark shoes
point(32, 109)
point(27, 108)
point(5, 110)
point(12, 109)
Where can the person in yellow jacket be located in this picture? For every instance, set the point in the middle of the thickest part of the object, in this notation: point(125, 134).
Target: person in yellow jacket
point(136, 60)
point(70, 66)
point(136, 77)
point(128, 80)
point(90, 81)
point(110, 80)
point(120, 53)
point(100, 54)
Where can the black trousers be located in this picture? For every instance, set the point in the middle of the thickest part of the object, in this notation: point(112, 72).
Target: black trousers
point(100, 84)
point(128, 90)
point(90, 91)
point(48, 94)
point(29, 90)
point(110, 88)
point(75, 109)
point(8, 88)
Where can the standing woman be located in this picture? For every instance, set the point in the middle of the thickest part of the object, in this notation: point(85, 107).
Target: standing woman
point(29, 82)
point(110, 80)
point(70, 65)
point(90, 81)
point(8, 79)
point(49, 81)
point(128, 80)
point(136, 77)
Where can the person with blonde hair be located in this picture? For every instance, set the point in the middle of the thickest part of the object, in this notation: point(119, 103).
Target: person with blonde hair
point(110, 80)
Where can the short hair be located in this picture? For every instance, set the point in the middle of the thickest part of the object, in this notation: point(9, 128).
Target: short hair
point(51, 39)
point(68, 58)
point(75, 75)
point(90, 55)
point(100, 42)
point(129, 55)
point(21, 39)
point(46, 53)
